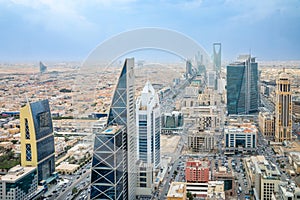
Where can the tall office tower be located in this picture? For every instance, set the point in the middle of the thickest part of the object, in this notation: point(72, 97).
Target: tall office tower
point(283, 110)
point(43, 68)
point(188, 68)
point(148, 123)
point(122, 113)
point(242, 86)
point(108, 179)
point(212, 79)
point(217, 56)
point(37, 139)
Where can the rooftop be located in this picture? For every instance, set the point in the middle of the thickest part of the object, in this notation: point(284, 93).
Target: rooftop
point(111, 130)
point(16, 173)
point(177, 189)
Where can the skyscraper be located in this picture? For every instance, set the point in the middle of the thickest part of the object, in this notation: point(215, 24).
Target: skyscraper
point(37, 139)
point(43, 68)
point(108, 179)
point(122, 113)
point(242, 86)
point(283, 109)
point(148, 122)
point(217, 56)
point(188, 68)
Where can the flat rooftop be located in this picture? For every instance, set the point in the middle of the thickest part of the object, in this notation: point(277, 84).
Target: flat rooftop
point(111, 129)
point(16, 173)
point(176, 189)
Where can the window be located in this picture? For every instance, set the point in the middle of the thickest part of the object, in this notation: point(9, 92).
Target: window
point(28, 152)
point(27, 133)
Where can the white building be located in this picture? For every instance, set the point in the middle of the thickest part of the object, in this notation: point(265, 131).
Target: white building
point(240, 137)
point(148, 124)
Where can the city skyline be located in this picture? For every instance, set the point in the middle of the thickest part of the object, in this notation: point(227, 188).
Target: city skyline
point(69, 30)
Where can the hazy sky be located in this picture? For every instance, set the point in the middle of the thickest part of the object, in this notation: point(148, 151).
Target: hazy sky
point(70, 29)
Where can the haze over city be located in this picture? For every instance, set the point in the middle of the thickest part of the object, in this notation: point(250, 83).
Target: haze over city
point(69, 30)
point(149, 100)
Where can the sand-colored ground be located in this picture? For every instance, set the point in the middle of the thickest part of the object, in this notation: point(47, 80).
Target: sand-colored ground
point(168, 143)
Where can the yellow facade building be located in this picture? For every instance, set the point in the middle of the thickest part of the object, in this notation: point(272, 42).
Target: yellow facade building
point(37, 139)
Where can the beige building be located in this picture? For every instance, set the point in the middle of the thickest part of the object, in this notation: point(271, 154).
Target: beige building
point(264, 176)
point(201, 141)
point(6, 145)
point(80, 151)
point(208, 191)
point(283, 109)
point(66, 168)
point(177, 191)
point(266, 124)
point(294, 160)
point(145, 184)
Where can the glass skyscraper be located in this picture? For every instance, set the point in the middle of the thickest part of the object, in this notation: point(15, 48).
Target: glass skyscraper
point(122, 113)
point(109, 164)
point(37, 139)
point(242, 86)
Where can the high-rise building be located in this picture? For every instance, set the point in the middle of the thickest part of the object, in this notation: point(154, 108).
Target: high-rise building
point(188, 66)
point(148, 126)
point(43, 68)
point(145, 179)
point(122, 113)
point(266, 123)
point(211, 79)
point(217, 56)
point(108, 178)
point(242, 86)
point(283, 109)
point(37, 139)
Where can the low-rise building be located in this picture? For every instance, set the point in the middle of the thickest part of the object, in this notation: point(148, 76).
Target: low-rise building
point(240, 137)
point(80, 151)
point(177, 191)
point(6, 145)
point(287, 191)
point(197, 171)
point(201, 141)
point(264, 176)
point(223, 174)
point(66, 168)
point(60, 145)
point(209, 190)
point(19, 183)
point(294, 161)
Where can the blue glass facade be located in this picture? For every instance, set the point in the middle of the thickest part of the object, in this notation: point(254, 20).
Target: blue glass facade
point(108, 163)
point(242, 87)
point(42, 118)
point(113, 165)
point(45, 139)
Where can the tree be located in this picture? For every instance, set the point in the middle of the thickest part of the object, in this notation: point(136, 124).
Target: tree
point(74, 190)
point(175, 173)
point(189, 196)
